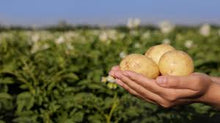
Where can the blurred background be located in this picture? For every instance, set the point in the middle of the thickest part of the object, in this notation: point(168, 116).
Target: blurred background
point(55, 57)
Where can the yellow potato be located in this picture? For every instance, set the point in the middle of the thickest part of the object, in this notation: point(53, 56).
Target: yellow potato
point(140, 64)
point(176, 63)
point(155, 52)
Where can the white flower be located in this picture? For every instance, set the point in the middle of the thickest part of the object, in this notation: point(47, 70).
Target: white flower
point(166, 41)
point(103, 36)
point(137, 45)
point(112, 34)
point(35, 38)
point(69, 46)
point(136, 22)
point(104, 79)
point(188, 43)
point(205, 30)
point(59, 40)
point(122, 54)
point(108, 34)
point(166, 27)
point(45, 46)
point(130, 23)
point(146, 35)
point(133, 22)
point(110, 79)
point(35, 48)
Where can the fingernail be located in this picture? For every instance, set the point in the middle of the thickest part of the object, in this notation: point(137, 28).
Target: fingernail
point(161, 80)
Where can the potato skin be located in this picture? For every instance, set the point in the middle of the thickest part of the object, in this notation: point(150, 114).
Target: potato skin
point(140, 64)
point(155, 52)
point(176, 63)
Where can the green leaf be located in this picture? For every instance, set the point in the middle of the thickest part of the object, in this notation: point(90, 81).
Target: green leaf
point(70, 76)
point(96, 118)
point(25, 101)
point(5, 96)
point(6, 81)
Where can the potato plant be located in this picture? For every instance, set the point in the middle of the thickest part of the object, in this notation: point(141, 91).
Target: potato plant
point(60, 75)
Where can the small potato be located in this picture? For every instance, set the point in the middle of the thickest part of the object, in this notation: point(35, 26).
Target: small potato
point(140, 64)
point(155, 52)
point(176, 63)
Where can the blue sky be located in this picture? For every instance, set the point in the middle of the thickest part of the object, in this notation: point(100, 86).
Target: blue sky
point(103, 12)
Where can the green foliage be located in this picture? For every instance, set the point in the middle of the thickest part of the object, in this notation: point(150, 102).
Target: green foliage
point(56, 76)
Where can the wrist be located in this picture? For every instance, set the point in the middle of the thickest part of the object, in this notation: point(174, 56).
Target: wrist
point(215, 79)
point(212, 95)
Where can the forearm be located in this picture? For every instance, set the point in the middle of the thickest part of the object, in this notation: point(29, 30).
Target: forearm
point(216, 79)
point(212, 97)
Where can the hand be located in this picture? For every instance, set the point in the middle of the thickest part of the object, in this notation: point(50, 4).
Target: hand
point(166, 91)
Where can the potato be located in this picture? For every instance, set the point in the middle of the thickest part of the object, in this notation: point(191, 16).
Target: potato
point(176, 63)
point(140, 64)
point(155, 52)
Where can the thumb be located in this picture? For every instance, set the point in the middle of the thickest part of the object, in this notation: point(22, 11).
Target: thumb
point(178, 82)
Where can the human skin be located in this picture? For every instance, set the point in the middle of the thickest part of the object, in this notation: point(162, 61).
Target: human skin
point(169, 91)
point(215, 79)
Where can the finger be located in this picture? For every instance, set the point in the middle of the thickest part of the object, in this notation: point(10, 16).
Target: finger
point(184, 82)
point(131, 91)
point(139, 89)
point(167, 93)
point(147, 83)
point(182, 102)
point(176, 103)
point(173, 95)
point(112, 71)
